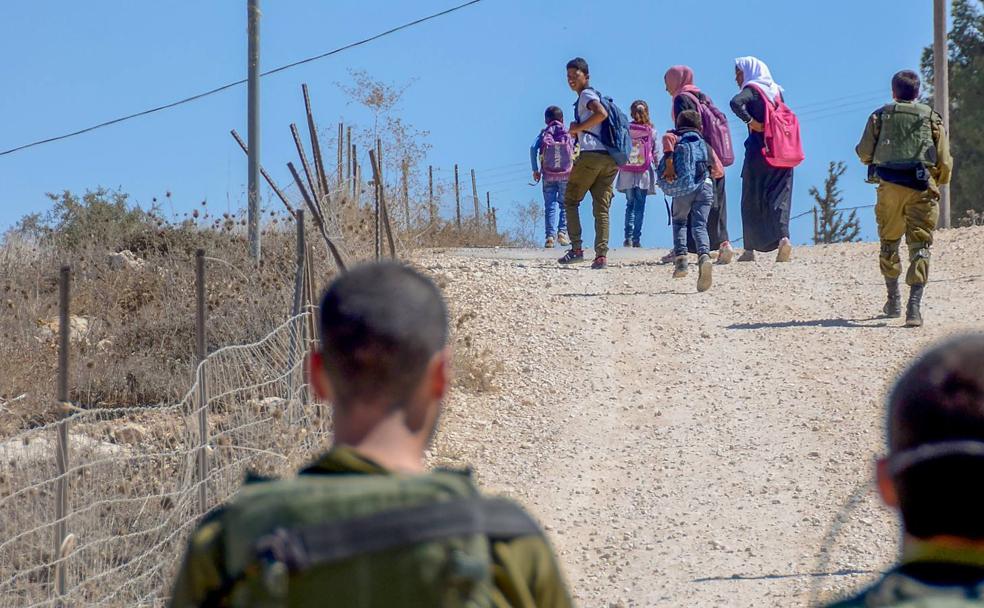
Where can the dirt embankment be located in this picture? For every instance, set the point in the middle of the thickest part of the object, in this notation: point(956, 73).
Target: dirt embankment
point(688, 449)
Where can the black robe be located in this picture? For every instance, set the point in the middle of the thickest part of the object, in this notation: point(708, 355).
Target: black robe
point(766, 192)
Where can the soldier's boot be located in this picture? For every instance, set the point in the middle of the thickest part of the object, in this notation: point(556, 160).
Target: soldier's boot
point(893, 306)
point(913, 316)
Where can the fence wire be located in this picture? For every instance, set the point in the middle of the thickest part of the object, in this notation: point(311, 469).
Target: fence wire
point(134, 487)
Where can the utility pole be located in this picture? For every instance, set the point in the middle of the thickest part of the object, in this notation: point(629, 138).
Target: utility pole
point(430, 196)
point(406, 190)
point(457, 198)
point(253, 127)
point(478, 212)
point(941, 88)
point(488, 208)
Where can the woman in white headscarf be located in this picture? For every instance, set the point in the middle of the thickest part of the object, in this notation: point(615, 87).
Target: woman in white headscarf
point(767, 192)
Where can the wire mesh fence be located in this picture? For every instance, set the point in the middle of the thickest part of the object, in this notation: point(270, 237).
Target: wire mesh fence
point(134, 479)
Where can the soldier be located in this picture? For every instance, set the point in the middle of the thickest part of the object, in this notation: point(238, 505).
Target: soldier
point(366, 525)
point(908, 154)
point(932, 476)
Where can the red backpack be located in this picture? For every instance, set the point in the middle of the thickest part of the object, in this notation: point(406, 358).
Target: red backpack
point(783, 147)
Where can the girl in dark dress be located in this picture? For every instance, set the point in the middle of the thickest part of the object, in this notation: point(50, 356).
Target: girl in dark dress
point(767, 192)
point(679, 81)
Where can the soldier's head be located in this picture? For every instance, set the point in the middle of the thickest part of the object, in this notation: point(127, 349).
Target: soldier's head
point(935, 429)
point(383, 354)
point(905, 85)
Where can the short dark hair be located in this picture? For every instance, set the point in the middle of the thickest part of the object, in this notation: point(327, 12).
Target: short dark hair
point(905, 85)
point(553, 113)
point(689, 119)
point(578, 63)
point(381, 324)
point(940, 398)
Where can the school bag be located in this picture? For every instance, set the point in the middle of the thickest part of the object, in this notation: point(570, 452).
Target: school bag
point(782, 147)
point(641, 153)
point(715, 129)
point(690, 161)
point(373, 541)
point(906, 137)
point(557, 149)
point(614, 130)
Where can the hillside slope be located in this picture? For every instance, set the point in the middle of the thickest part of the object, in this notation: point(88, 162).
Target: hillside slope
point(688, 449)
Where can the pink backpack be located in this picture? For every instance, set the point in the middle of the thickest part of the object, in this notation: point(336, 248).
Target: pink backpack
point(783, 148)
point(557, 149)
point(641, 154)
point(715, 128)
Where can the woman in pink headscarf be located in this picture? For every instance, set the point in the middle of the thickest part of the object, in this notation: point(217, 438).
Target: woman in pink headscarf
point(679, 81)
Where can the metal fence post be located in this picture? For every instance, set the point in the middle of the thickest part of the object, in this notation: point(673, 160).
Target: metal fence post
point(296, 337)
point(200, 351)
point(61, 456)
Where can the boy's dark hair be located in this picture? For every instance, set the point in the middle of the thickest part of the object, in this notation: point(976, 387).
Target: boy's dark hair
point(380, 326)
point(689, 119)
point(905, 85)
point(578, 63)
point(940, 398)
point(553, 113)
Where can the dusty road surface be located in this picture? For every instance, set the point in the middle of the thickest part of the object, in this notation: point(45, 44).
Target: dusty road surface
point(688, 449)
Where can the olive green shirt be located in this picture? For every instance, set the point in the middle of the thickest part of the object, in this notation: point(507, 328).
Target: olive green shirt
point(525, 570)
point(944, 165)
point(930, 576)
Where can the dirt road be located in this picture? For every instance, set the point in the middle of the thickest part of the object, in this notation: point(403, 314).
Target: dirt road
point(688, 449)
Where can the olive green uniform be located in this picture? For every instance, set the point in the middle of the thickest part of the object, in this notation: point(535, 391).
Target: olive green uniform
point(902, 211)
point(929, 576)
point(525, 572)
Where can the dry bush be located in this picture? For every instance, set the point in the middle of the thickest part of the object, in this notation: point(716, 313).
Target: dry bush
point(475, 367)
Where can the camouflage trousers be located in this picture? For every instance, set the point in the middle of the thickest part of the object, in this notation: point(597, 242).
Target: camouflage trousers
point(911, 213)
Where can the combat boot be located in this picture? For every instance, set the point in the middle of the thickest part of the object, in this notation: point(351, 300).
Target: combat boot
point(913, 316)
point(893, 306)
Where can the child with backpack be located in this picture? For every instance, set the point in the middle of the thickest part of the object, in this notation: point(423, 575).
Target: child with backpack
point(636, 178)
point(554, 148)
point(685, 174)
point(679, 81)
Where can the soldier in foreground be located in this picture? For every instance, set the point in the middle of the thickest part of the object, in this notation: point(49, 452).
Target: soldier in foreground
point(366, 525)
point(908, 154)
point(932, 476)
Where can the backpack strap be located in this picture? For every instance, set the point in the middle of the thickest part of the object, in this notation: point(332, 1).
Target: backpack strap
point(315, 545)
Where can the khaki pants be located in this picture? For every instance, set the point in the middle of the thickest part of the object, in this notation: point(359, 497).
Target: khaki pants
point(913, 213)
point(593, 172)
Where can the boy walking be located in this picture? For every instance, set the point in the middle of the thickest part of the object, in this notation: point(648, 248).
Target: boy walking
point(685, 175)
point(594, 170)
point(554, 147)
point(908, 154)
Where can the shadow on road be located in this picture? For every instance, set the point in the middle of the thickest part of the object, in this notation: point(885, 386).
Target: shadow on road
point(621, 294)
point(854, 323)
point(766, 577)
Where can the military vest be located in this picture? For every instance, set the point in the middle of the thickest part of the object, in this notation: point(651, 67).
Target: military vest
point(366, 541)
point(905, 140)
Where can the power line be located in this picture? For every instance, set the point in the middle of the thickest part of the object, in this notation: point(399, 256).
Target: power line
point(239, 82)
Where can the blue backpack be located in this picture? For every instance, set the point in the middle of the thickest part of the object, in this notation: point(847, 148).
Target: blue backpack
point(614, 130)
point(690, 160)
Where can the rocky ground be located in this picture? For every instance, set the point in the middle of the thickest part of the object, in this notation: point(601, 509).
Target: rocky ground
point(686, 449)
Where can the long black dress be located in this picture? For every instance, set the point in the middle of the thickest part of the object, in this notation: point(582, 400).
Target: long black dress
point(717, 219)
point(766, 192)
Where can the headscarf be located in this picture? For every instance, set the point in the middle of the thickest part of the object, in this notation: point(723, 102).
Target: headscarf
point(757, 73)
point(680, 79)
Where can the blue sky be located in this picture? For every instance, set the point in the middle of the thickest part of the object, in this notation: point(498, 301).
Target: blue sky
point(483, 76)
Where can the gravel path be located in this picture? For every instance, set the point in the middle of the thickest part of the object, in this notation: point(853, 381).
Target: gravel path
point(688, 449)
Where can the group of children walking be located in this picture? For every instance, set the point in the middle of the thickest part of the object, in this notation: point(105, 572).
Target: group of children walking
point(687, 164)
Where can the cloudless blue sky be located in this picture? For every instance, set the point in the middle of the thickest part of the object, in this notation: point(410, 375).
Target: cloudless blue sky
point(483, 77)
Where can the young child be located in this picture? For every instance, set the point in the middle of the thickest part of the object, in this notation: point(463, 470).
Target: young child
point(907, 148)
point(685, 174)
point(552, 157)
point(637, 179)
